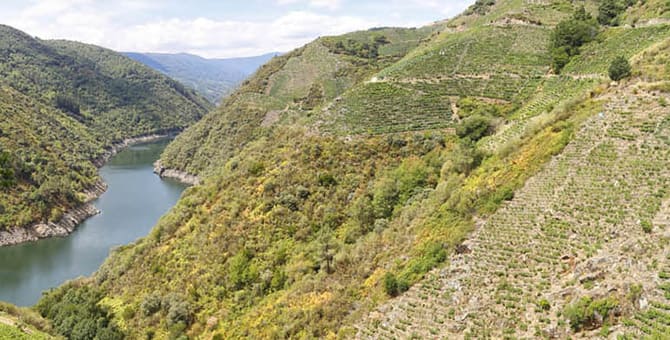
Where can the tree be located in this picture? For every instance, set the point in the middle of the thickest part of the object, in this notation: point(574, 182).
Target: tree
point(619, 69)
point(608, 11)
point(394, 286)
point(67, 104)
point(7, 178)
point(569, 35)
point(474, 127)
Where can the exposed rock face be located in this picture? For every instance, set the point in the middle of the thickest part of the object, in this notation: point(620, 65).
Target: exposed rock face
point(179, 175)
point(63, 227)
point(75, 216)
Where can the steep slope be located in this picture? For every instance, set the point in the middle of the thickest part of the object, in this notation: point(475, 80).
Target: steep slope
point(338, 177)
point(104, 90)
point(211, 78)
point(571, 233)
point(64, 106)
point(288, 88)
point(23, 324)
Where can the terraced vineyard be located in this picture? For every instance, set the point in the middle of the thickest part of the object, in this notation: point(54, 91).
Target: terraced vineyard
point(574, 230)
point(553, 92)
point(382, 108)
point(479, 50)
point(595, 58)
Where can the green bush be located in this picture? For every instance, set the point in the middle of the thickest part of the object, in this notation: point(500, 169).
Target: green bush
point(7, 178)
point(544, 305)
point(569, 35)
point(474, 127)
point(480, 7)
point(464, 158)
point(587, 313)
point(646, 226)
point(327, 180)
point(385, 197)
point(394, 286)
point(76, 313)
point(256, 168)
point(619, 68)
point(151, 304)
point(610, 10)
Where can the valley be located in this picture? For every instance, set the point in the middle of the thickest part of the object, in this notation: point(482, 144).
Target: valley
point(502, 174)
point(133, 201)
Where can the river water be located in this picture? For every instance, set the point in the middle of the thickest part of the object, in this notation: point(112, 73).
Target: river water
point(133, 203)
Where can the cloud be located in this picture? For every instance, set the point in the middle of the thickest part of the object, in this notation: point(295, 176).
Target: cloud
point(234, 38)
point(149, 26)
point(325, 4)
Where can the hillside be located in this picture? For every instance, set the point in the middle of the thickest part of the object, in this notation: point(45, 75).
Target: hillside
point(64, 105)
point(23, 324)
point(476, 178)
point(211, 78)
point(288, 88)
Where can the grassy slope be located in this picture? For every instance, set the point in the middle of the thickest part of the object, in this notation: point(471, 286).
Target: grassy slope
point(23, 324)
point(52, 147)
point(294, 230)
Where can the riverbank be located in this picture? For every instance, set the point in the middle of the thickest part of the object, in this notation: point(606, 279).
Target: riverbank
point(75, 216)
point(178, 175)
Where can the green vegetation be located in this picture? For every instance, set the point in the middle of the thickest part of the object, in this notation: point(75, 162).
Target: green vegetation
point(589, 313)
point(76, 313)
point(609, 11)
point(7, 177)
point(569, 35)
point(22, 323)
point(62, 104)
point(619, 69)
point(480, 7)
point(392, 286)
point(336, 178)
point(293, 87)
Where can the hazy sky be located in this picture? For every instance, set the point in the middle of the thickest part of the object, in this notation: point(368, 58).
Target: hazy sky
point(221, 28)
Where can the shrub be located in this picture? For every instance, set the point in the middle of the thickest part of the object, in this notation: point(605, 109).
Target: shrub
point(544, 305)
point(76, 313)
point(151, 304)
point(619, 68)
point(394, 286)
point(646, 226)
point(587, 313)
point(609, 11)
point(385, 197)
point(464, 158)
point(480, 7)
point(474, 127)
point(179, 312)
point(256, 168)
point(327, 180)
point(7, 178)
point(569, 35)
point(67, 104)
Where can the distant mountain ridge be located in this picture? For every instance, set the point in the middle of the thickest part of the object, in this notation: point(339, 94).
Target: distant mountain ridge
point(212, 78)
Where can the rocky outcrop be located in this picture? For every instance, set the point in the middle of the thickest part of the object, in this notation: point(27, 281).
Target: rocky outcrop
point(73, 217)
point(179, 175)
point(62, 227)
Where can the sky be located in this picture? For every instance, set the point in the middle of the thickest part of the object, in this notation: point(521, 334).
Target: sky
point(214, 29)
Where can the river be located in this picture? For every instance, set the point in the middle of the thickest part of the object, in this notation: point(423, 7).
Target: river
point(133, 203)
